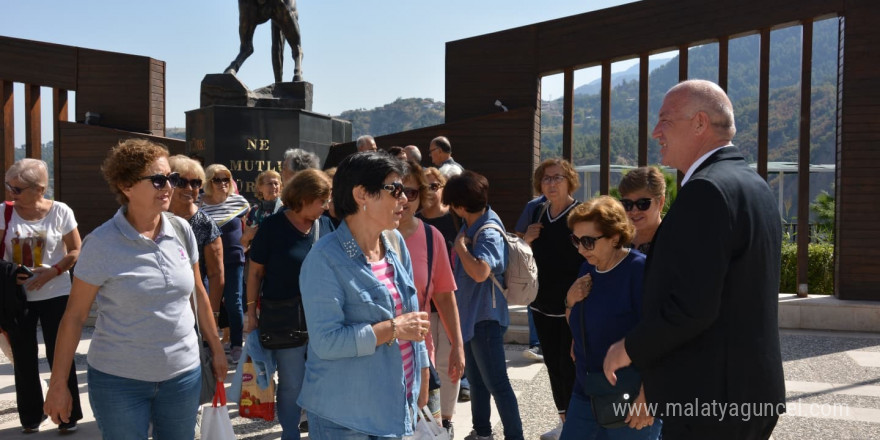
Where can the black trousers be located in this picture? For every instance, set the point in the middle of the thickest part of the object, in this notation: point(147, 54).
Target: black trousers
point(555, 337)
point(28, 386)
point(757, 428)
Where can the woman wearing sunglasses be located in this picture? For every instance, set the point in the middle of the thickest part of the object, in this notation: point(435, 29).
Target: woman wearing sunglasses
point(228, 210)
point(643, 195)
point(482, 253)
point(436, 294)
point(602, 306)
point(140, 268)
point(433, 211)
point(558, 265)
point(41, 234)
point(366, 355)
point(183, 204)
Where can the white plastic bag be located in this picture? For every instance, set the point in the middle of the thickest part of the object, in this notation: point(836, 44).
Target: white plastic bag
point(215, 418)
point(428, 429)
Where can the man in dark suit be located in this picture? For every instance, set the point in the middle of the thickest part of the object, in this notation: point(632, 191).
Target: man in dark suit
point(708, 345)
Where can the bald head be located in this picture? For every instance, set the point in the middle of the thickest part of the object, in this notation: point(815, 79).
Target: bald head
point(706, 96)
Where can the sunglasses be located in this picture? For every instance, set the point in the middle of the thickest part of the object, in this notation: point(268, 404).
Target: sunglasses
point(435, 187)
point(641, 204)
point(395, 188)
point(192, 183)
point(219, 180)
point(411, 193)
point(326, 204)
point(589, 243)
point(16, 190)
point(160, 180)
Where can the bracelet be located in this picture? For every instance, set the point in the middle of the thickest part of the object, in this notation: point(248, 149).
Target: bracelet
point(251, 302)
point(393, 333)
point(565, 300)
point(57, 269)
point(216, 314)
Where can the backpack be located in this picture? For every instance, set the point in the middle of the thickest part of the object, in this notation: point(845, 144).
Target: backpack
point(521, 275)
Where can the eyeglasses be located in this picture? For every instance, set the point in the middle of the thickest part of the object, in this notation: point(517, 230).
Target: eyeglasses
point(642, 204)
point(431, 150)
point(435, 187)
point(395, 188)
point(325, 204)
point(219, 180)
point(589, 243)
point(553, 179)
point(192, 183)
point(159, 180)
point(411, 193)
point(16, 190)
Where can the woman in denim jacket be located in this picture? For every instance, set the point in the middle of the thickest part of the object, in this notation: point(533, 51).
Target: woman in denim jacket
point(366, 356)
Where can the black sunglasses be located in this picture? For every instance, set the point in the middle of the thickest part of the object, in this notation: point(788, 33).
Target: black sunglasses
point(221, 180)
point(434, 186)
point(589, 243)
point(192, 183)
point(159, 180)
point(641, 204)
point(411, 193)
point(395, 188)
point(16, 190)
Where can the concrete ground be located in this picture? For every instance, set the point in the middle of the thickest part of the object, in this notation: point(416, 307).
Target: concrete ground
point(832, 379)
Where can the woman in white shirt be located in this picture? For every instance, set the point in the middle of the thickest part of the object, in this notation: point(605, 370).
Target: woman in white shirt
point(42, 235)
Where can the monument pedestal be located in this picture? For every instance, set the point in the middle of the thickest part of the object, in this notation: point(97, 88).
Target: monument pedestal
point(249, 131)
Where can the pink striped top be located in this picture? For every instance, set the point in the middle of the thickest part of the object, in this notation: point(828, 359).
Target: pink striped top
point(385, 273)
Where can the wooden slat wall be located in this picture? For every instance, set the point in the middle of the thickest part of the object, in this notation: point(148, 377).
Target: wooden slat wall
point(34, 62)
point(85, 190)
point(157, 97)
point(119, 87)
point(483, 145)
point(858, 159)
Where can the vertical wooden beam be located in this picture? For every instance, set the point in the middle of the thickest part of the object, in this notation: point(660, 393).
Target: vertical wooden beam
point(59, 113)
point(32, 120)
point(7, 126)
point(763, 101)
point(682, 76)
point(644, 79)
point(803, 224)
point(723, 49)
point(568, 116)
point(605, 131)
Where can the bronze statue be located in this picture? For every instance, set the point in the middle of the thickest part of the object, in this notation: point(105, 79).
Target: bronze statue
point(285, 24)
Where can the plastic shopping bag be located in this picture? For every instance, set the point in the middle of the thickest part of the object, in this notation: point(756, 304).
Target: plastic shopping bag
point(215, 418)
point(255, 402)
point(427, 427)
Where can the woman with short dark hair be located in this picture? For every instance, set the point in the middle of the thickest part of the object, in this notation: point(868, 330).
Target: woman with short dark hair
point(643, 194)
point(482, 254)
point(366, 332)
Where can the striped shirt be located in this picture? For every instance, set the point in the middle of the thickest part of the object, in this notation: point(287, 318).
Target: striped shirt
point(385, 273)
point(234, 206)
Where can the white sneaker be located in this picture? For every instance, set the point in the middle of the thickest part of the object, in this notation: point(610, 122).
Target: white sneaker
point(553, 434)
point(534, 353)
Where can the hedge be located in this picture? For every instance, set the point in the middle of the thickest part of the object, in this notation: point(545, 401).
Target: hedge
point(820, 272)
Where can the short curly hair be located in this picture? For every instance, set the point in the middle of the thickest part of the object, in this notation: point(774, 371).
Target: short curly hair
point(127, 162)
point(567, 171)
point(261, 179)
point(306, 186)
point(609, 216)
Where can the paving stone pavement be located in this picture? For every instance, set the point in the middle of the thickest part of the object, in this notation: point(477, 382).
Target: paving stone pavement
point(832, 382)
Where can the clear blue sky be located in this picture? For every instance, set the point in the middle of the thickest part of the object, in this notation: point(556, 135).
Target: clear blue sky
point(358, 54)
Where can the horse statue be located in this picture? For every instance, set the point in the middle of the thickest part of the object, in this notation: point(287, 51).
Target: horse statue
point(285, 26)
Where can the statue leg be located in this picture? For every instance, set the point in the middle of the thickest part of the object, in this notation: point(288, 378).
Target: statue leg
point(290, 26)
point(246, 27)
point(277, 52)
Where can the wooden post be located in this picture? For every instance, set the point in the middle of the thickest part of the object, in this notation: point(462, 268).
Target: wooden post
point(568, 116)
point(723, 49)
point(803, 224)
point(32, 132)
point(605, 131)
point(7, 126)
point(682, 76)
point(763, 101)
point(644, 79)
point(59, 113)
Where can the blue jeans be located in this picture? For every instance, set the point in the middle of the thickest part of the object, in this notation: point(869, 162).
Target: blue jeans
point(232, 274)
point(581, 425)
point(291, 370)
point(124, 408)
point(323, 429)
point(533, 332)
point(486, 368)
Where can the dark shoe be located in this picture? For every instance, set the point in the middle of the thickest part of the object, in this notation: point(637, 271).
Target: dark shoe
point(464, 395)
point(447, 424)
point(304, 426)
point(35, 427)
point(67, 428)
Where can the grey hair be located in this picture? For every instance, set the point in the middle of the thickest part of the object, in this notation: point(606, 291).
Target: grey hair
point(414, 152)
point(32, 171)
point(296, 159)
point(363, 140)
point(706, 96)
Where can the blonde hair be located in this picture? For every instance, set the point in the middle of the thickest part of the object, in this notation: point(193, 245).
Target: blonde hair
point(31, 171)
point(261, 179)
point(187, 165)
point(212, 171)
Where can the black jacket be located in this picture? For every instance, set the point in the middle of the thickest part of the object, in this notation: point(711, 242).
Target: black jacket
point(13, 301)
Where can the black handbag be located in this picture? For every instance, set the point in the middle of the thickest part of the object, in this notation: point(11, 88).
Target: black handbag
point(282, 323)
point(611, 403)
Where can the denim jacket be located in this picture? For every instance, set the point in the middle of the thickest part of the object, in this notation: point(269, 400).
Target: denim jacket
point(348, 379)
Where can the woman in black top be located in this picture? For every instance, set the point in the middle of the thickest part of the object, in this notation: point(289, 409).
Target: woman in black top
point(558, 266)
